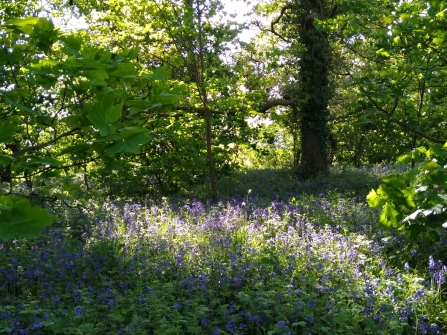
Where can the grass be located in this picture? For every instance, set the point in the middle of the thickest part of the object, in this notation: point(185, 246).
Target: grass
point(274, 256)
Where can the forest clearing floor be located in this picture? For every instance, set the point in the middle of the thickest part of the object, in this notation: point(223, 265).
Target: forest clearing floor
point(273, 256)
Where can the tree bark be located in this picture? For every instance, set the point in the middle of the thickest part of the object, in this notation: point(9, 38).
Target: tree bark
point(314, 95)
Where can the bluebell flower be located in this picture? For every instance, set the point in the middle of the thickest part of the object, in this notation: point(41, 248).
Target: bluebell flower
point(204, 321)
point(423, 328)
point(177, 305)
point(439, 277)
point(435, 329)
point(36, 324)
point(283, 324)
point(431, 264)
point(404, 315)
point(231, 326)
point(79, 311)
point(309, 319)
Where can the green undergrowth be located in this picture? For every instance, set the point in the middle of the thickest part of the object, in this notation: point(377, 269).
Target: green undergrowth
point(273, 256)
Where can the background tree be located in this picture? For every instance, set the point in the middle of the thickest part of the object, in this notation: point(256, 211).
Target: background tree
point(299, 25)
point(398, 67)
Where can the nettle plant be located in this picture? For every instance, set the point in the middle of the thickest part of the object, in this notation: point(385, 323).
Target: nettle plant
point(416, 200)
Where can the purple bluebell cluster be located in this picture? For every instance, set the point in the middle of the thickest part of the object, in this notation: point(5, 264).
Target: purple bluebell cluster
point(312, 264)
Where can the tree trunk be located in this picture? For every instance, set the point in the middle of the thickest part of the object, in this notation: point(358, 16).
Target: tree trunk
point(312, 161)
point(314, 95)
point(204, 95)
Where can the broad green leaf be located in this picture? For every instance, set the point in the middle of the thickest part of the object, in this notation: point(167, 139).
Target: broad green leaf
point(436, 209)
point(125, 70)
point(160, 73)
point(102, 113)
point(373, 199)
point(131, 53)
point(388, 217)
point(7, 131)
point(404, 158)
point(25, 25)
point(436, 150)
point(415, 230)
point(73, 43)
point(396, 182)
point(405, 17)
point(99, 75)
point(430, 166)
point(128, 131)
point(5, 160)
point(89, 53)
point(19, 219)
point(50, 174)
point(438, 41)
point(26, 109)
point(129, 144)
point(44, 120)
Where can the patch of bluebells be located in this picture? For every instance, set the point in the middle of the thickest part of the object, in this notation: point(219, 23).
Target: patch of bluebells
point(281, 263)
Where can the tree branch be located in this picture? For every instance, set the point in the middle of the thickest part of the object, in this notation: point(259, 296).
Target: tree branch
point(275, 103)
point(417, 132)
point(43, 145)
point(274, 22)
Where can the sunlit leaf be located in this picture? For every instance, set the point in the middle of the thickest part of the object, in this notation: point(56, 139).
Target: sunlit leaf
point(388, 217)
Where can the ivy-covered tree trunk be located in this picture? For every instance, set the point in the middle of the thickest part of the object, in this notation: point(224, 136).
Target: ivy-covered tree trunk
point(314, 93)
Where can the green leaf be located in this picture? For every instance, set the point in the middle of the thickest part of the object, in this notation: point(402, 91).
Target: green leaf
point(129, 144)
point(373, 199)
point(19, 219)
point(125, 70)
point(438, 41)
point(75, 148)
point(396, 182)
point(25, 25)
point(96, 76)
point(26, 109)
point(7, 131)
point(161, 73)
point(436, 209)
point(388, 217)
point(102, 113)
point(415, 230)
point(404, 158)
point(5, 160)
point(89, 53)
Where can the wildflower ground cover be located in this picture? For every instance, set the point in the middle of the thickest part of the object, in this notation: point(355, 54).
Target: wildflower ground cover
point(273, 256)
